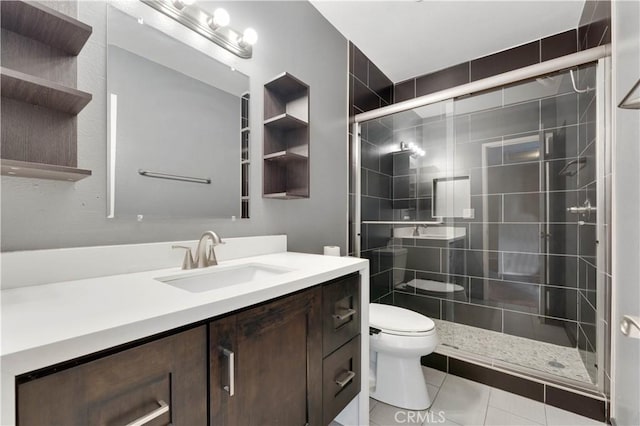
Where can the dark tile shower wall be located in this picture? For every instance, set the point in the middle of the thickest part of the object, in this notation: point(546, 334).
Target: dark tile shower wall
point(519, 261)
point(588, 271)
point(369, 89)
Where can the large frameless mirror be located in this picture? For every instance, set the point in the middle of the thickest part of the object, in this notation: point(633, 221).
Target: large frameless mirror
point(177, 122)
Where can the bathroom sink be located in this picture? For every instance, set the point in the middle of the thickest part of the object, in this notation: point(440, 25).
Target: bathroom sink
point(431, 232)
point(216, 277)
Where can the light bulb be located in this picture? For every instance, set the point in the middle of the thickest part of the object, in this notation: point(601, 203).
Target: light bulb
point(220, 19)
point(249, 37)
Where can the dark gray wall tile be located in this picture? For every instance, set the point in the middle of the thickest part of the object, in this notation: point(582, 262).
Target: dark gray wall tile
point(539, 328)
point(443, 79)
point(559, 111)
point(405, 90)
point(425, 305)
point(519, 118)
point(423, 259)
point(364, 98)
point(506, 294)
point(507, 60)
point(473, 315)
point(380, 285)
point(524, 207)
point(559, 45)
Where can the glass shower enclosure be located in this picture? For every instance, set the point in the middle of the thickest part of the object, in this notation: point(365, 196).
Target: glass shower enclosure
point(487, 212)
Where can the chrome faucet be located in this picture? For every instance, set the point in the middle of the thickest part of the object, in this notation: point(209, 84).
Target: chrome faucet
point(205, 254)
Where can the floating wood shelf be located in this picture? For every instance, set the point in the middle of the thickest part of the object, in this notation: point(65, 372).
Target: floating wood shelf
point(38, 91)
point(285, 121)
point(42, 171)
point(39, 22)
point(285, 156)
point(284, 196)
point(286, 85)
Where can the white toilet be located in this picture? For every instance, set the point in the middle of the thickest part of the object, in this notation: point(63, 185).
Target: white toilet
point(403, 337)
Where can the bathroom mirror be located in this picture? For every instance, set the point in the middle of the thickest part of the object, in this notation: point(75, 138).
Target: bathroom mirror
point(175, 124)
point(452, 197)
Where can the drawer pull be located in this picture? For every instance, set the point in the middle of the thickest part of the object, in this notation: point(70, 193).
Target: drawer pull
point(347, 378)
point(348, 313)
point(231, 387)
point(164, 408)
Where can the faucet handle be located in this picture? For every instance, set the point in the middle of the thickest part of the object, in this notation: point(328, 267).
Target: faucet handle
point(188, 262)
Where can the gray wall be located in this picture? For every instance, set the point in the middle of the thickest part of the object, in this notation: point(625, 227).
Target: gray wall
point(294, 37)
point(171, 123)
point(626, 227)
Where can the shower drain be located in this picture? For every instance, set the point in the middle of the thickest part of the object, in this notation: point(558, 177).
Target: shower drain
point(555, 364)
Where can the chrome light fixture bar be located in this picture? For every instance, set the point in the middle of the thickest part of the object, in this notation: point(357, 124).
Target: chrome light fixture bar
point(194, 18)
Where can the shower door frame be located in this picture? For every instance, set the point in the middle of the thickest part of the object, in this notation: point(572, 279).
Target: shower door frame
point(601, 56)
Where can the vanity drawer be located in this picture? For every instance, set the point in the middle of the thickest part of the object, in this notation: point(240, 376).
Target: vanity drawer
point(340, 379)
point(163, 379)
point(340, 312)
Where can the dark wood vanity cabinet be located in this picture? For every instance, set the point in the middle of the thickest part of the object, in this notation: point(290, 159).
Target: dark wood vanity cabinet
point(294, 360)
point(123, 387)
point(266, 363)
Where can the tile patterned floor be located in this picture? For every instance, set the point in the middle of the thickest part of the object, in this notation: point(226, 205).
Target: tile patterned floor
point(513, 349)
point(461, 402)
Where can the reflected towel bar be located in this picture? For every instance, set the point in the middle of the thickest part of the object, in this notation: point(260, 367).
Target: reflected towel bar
point(160, 175)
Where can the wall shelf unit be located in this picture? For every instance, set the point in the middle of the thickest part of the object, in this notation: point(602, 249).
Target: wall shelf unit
point(42, 171)
point(286, 138)
point(38, 91)
point(39, 22)
point(38, 87)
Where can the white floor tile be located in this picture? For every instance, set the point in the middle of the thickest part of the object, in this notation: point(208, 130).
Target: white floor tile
point(432, 376)
point(498, 417)
point(372, 403)
point(439, 420)
point(387, 415)
point(558, 417)
point(433, 392)
point(462, 401)
point(518, 405)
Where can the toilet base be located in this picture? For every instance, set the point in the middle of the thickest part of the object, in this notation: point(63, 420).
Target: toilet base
point(400, 382)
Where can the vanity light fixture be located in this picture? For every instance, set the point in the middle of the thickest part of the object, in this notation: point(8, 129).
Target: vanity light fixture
point(219, 19)
point(213, 27)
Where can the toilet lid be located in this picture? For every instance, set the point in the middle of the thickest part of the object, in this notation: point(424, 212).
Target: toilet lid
point(396, 319)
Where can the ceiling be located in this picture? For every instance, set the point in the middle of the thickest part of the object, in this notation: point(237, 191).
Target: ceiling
point(410, 38)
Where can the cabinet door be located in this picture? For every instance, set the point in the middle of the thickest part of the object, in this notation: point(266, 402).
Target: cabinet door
point(277, 364)
point(125, 386)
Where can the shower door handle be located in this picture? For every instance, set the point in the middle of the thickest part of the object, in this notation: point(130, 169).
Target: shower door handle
point(630, 326)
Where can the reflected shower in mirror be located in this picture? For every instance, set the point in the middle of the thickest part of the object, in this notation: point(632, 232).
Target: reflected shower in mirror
point(175, 125)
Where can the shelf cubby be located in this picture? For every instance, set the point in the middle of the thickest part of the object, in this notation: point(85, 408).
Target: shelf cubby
point(286, 138)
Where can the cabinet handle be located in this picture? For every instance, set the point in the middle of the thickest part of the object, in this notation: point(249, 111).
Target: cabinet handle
point(344, 316)
point(342, 383)
point(164, 408)
point(231, 357)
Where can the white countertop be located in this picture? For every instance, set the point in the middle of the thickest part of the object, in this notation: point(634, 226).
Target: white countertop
point(50, 323)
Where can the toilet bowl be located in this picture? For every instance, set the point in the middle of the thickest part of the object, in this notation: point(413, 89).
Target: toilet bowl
point(398, 338)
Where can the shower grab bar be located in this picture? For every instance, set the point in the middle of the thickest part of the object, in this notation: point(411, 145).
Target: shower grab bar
point(565, 170)
point(160, 175)
point(401, 222)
